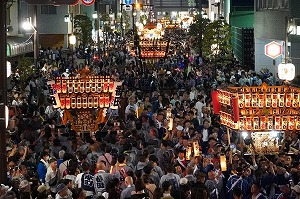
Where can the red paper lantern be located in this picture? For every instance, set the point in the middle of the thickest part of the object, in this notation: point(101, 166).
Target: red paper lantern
point(216, 103)
point(236, 110)
point(68, 103)
point(62, 102)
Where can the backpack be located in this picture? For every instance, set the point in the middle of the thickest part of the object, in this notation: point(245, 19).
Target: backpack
point(87, 182)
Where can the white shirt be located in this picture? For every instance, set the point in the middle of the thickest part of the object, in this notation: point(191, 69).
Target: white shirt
point(205, 135)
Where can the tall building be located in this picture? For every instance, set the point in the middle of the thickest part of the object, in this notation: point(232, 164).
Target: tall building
point(277, 20)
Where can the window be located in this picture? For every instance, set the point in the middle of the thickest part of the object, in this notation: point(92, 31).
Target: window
point(48, 10)
point(272, 5)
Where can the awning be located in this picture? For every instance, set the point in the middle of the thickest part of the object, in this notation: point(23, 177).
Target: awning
point(18, 46)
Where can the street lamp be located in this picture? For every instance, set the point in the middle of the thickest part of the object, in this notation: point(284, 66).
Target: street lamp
point(72, 40)
point(27, 26)
point(97, 27)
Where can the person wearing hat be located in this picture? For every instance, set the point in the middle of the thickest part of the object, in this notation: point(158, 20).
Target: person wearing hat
point(25, 189)
point(62, 192)
point(42, 192)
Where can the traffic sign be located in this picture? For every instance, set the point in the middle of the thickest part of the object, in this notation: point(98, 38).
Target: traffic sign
point(128, 8)
point(88, 2)
point(273, 49)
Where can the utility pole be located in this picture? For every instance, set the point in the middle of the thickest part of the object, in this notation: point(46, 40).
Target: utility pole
point(3, 93)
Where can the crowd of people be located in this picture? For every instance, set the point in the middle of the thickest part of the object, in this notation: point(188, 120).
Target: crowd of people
point(135, 154)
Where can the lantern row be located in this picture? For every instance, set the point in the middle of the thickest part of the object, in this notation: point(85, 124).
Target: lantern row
point(255, 100)
point(83, 85)
point(96, 101)
point(153, 54)
point(261, 123)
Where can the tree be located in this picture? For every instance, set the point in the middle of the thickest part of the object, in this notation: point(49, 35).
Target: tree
point(83, 29)
point(212, 39)
point(126, 20)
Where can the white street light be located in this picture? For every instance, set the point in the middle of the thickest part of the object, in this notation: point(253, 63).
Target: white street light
point(286, 71)
point(68, 18)
point(27, 25)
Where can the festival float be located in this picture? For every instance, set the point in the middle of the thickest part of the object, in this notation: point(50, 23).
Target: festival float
point(152, 45)
point(262, 114)
point(84, 99)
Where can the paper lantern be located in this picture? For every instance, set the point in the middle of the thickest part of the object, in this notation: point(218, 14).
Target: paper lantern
point(261, 100)
point(196, 149)
point(242, 123)
point(68, 103)
point(105, 87)
point(223, 163)
point(78, 104)
point(76, 87)
point(268, 100)
point(270, 123)
point(215, 102)
point(84, 102)
point(291, 123)
point(93, 87)
point(254, 100)
point(284, 122)
point(62, 102)
point(288, 99)
point(256, 123)
point(247, 100)
point(170, 125)
point(64, 87)
point(90, 102)
point(188, 153)
point(106, 101)
point(101, 101)
point(298, 123)
point(82, 87)
point(73, 102)
point(111, 87)
point(87, 87)
point(277, 123)
point(286, 71)
point(236, 109)
point(70, 86)
point(281, 100)
point(295, 100)
point(274, 100)
point(96, 101)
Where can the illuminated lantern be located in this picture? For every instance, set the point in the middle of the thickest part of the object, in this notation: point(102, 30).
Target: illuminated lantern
point(274, 100)
point(78, 102)
point(248, 123)
point(236, 110)
point(296, 100)
point(268, 100)
point(256, 123)
point(242, 123)
point(223, 163)
point(291, 123)
point(105, 87)
point(298, 123)
point(277, 123)
point(286, 71)
point(93, 87)
point(261, 100)
point(82, 86)
point(58, 85)
point(101, 101)
point(99, 86)
point(270, 123)
point(70, 86)
point(215, 102)
point(62, 102)
point(84, 102)
point(90, 102)
point(68, 102)
point(87, 86)
point(111, 87)
point(106, 101)
point(247, 100)
point(284, 122)
point(262, 122)
point(73, 102)
point(188, 153)
point(288, 100)
point(170, 125)
point(196, 149)
point(96, 102)
point(76, 87)
point(254, 100)
point(281, 100)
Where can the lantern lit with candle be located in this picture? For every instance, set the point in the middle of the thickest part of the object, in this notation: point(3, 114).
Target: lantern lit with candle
point(223, 163)
point(286, 71)
point(196, 149)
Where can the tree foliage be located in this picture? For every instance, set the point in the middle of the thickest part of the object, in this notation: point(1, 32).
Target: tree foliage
point(25, 68)
point(126, 20)
point(206, 34)
point(83, 29)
